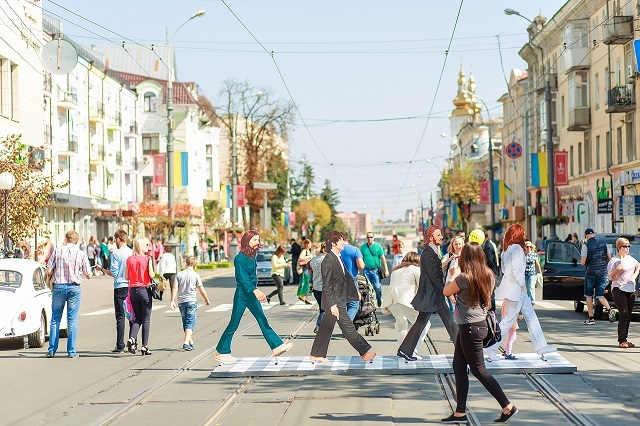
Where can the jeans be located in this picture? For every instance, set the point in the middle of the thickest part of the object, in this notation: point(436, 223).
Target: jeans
point(374, 278)
point(188, 312)
point(68, 294)
point(119, 295)
point(141, 301)
point(468, 351)
point(279, 288)
point(352, 307)
point(530, 280)
point(624, 304)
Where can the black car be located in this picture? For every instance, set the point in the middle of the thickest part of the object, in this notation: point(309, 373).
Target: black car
point(563, 275)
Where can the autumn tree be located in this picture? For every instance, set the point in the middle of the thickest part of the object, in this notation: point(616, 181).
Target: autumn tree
point(462, 187)
point(261, 124)
point(33, 189)
point(321, 214)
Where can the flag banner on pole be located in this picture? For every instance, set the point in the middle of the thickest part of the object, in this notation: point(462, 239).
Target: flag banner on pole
point(484, 192)
point(539, 169)
point(159, 170)
point(180, 169)
point(560, 162)
point(499, 191)
point(225, 196)
point(241, 200)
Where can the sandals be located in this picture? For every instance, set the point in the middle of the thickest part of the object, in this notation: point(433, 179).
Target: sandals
point(132, 346)
point(511, 357)
point(145, 351)
point(626, 345)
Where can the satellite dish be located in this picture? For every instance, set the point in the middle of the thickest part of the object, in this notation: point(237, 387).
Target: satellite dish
point(59, 57)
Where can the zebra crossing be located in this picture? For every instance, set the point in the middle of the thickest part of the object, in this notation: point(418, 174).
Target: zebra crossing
point(224, 307)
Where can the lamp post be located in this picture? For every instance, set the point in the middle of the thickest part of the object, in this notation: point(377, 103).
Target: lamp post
point(491, 189)
point(170, 147)
point(551, 179)
point(7, 182)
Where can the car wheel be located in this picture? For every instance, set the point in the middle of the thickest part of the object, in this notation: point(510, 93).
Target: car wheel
point(597, 311)
point(578, 306)
point(37, 338)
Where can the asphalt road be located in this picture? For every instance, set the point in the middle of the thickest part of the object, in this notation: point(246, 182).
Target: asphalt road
point(171, 386)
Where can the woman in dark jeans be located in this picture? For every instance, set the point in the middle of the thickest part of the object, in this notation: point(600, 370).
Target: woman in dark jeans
point(472, 282)
point(139, 271)
point(278, 264)
point(623, 271)
point(315, 265)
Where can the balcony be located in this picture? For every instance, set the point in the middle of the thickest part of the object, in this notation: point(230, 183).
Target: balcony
point(114, 121)
point(96, 154)
point(618, 30)
point(621, 99)
point(96, 113)
point(68, 147)
point(68, 99)
point(118, 158)
point(130, 164)
point(47, 84)
point(553, 83)
point(579, 119)
point(575, 39)
point(131, 130)
point(576, 58)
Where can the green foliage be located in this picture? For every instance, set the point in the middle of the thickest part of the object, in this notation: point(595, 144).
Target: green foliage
point(330, 196)
point(302, 183)
point(224, 265)
point(207, 266)
point(461, 186)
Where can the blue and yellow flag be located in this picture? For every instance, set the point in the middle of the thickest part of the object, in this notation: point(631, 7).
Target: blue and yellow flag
point(539, 169)
point(500, 189)
point(180, 169)
point(225, 196)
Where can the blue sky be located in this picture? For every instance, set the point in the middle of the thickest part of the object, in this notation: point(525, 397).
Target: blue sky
point(341, 60)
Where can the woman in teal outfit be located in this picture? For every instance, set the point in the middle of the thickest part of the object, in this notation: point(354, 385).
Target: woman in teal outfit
point(247, 296)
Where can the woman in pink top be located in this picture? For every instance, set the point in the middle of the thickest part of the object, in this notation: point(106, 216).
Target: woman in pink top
point(139, 271)
point(623, 270)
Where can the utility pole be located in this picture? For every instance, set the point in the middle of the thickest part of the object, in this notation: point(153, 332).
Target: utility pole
point(233, 244)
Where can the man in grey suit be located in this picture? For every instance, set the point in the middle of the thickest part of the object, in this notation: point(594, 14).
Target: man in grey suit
point(429, 298)
point(337, 290)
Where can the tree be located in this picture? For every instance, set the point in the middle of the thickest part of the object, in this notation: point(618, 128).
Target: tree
point(463, 189)
point(321, 214)
point(301, 185)
point(330, 196)
point(33, 190)
point(261, 124)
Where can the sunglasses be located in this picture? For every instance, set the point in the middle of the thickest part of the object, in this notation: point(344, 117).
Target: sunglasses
point(625, 246)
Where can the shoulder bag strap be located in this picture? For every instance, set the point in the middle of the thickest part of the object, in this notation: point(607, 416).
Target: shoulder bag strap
point(374, 258)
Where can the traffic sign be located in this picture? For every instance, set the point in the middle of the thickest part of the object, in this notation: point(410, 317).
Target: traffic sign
point(265, 185)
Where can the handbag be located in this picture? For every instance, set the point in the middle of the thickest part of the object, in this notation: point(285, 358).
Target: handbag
point(163, 283)
point(128, 309)
point(494, 334)
point(303, 286)
point(155, 293)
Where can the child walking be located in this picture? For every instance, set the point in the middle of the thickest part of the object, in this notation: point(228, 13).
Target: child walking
point(508, 354)
point(187, 282)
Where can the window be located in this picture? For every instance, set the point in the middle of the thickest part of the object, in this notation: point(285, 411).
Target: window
point(578, 90)
point(587, 152)
point(619, 144)
point(571, 161)
point(596, 91)
point(631, 146)
point(150, 143)
point(150, 102)
point(38, 280)
point(579, 158)
point(598, 152)
point(8, 89)
point(576, 34)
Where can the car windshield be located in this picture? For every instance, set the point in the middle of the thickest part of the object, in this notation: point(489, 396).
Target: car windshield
point(263, 257)
point(561, 252)
point(10, 279)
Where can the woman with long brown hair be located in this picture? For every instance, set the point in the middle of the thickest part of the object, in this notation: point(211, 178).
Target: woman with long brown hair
point(278, 263)
point(248, 296)
point(472, 282)
point(513, 289)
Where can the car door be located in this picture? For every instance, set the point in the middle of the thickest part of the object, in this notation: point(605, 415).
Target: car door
point(563, 275)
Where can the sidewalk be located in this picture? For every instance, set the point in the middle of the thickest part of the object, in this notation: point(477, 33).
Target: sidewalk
point(206, 274)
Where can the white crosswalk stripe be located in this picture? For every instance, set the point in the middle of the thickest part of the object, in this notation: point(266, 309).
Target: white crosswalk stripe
point(225, 307)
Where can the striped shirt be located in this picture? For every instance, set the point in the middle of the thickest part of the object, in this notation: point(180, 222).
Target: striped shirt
point(69, 264)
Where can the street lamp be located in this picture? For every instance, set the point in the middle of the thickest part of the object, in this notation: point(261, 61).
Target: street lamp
point(170, 147)
point(551, 179)
point(491, 189)
point(7, 182)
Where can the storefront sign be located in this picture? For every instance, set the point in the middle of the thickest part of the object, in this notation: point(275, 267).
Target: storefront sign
point(573, 192)
point(605, 205)
point(628, 177)
point(629, 205)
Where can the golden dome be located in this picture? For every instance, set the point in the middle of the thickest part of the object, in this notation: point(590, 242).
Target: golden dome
point(462, 102)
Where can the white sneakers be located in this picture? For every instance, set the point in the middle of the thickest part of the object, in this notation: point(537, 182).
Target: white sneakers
point(225, 358)
point(547, 350)
point(282, 349)
point(491, 354)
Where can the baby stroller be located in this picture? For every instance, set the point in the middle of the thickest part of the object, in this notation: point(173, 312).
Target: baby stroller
point(366, 315)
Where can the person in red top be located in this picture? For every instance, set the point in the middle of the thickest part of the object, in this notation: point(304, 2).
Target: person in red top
point(396, 245)
point(139, 271)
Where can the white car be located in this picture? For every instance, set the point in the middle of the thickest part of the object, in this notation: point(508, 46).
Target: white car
point(25, 302)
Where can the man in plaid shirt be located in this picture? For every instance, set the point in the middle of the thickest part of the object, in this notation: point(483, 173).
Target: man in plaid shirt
point(67, 264)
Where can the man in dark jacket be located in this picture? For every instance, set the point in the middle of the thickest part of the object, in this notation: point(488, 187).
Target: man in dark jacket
point(595, 257)
point(429, 298)
point(295, 251)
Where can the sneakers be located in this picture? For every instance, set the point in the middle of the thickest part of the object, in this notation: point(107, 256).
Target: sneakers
point(225, 358)
point(547, 350)
point(454, 419)
point(491, 355)
point(505, 417)
point(590, 321)
point(612, 314)
point(511, 357)
point(187, 347)
point(50, 354)
point(282, 349)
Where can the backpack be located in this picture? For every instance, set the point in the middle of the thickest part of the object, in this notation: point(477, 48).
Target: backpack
point(494, 334)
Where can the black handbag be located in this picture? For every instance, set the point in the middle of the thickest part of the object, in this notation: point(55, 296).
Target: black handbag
point(494, 334)
point(155, 292)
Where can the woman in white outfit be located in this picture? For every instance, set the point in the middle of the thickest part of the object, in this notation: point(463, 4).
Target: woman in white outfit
point(399, 294)
point(513, 288)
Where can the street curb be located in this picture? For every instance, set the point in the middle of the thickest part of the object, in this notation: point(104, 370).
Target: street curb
point(206, 274)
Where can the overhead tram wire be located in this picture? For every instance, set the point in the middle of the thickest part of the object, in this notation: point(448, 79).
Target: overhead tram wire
point(435, 95)
point(295, 105)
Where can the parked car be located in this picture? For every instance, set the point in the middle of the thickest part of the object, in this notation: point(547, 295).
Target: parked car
point(263, 259)
point(563, 275)
point(25, 302)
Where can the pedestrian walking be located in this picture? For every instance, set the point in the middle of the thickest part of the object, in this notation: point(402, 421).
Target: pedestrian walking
point(316, 270)
point(352, 259)
point(623, 270)
point(429, 298)
point(120, 284)
point(168, 267)
point(104, 252)
point(304, 285)
point(375, 264)
point(67, 264)
point(531, 270)
point(248, 296)
point(187, 282)
point(295, 251)
point(595, 256)
point(514, 289)
point(450, 260)
point(397, 258)
point(278, 263)
point(512, 334)
point(337, 289)
point(472, 282)
point(139, 272)
point(397, 298)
